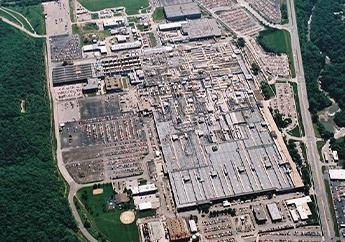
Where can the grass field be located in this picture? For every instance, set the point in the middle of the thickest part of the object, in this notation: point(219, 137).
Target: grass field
point(331, 207)
point(298, 107)
point(34, 14)
point(158, 15)
point(319, 145)
point(132, 6)
point(152, 39)
point(295, 132)
point(277, 41)
point(9, 17)
point(105, 223)
point(90, 27)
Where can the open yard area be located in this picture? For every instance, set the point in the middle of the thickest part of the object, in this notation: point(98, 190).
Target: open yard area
point(103, 222)
point(277, 41)
point(158, 14)
point(132, 6)
point(34, 13)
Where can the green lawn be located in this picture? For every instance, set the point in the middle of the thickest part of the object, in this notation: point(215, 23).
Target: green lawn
point(295, 132)
point(277, 41)
point(132, 6)
point(331, 207)
point(152, 39)
point(21, 19)
point(90, 27)
point(34, 15)
point(105, 223)
point(298, 107)
point(9, 17)
point(319, 145)
point(158, 15)
point(140, 27)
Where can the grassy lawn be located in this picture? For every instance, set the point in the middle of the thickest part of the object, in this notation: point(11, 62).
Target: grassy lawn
point(87, 31)
point(298, 107)
point(21, 19)
point(133, 19)
point(152, 39)
point(94, 16)
point(140, 27)
point(319, 145)
point(9, 17)
point(331, 206)
point(90, 27)
point(105, 223)
point(296, 132)
point(158, 15)
point(132, 6)
point(277, 41)
point(316, 130)
point(304, 150)
point(34, 15)
point(284, 12)
point(71, 10)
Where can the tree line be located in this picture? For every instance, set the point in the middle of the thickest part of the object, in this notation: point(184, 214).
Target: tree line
point(32, 202)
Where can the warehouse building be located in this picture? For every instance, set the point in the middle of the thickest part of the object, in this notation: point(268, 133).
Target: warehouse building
point(274, 212)
point(181, 12)
point(259, 214)
point(201, 29)
point(72, 74)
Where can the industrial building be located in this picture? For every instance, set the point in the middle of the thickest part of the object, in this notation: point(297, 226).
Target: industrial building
point(115, 83)
point(72, 74)
point(202, 167)
point(259, 214)
point(201, 29)
point(91, 86)
point(178, 229)
point(171, 26)
point(337, 174)
point(181, 12)
point(274, 212)
point(95, 48)
point(115, 22)
point(119, 64)
point(126, 46)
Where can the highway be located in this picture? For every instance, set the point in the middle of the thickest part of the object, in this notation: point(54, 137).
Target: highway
point(310, 139)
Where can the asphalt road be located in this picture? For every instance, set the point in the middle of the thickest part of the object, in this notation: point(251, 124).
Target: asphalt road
point(312, 152)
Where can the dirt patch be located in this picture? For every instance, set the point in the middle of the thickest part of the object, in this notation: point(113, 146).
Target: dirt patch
point(97, 191)
point(127, 217)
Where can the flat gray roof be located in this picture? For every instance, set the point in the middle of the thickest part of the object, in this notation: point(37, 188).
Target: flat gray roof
point(71, 74)
point(246, 161)
point(181, 10)
point(259, 213)
point(274, 211)
point(174, 2)
point(201, 28)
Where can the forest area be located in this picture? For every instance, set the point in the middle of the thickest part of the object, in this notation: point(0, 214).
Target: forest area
point(32, 202)
point(328, 30)
point(326, 40)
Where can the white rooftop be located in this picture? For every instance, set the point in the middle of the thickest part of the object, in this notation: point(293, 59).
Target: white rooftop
point(144, 206)
point(337, 174)
point(299, 201)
